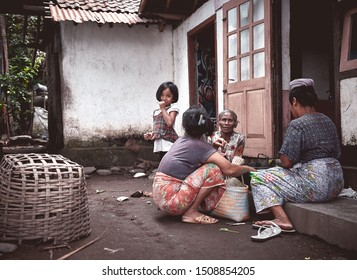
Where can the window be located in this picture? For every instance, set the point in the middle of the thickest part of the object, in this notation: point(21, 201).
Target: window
point(245, 41)
point(348, 60)
point(352, 54)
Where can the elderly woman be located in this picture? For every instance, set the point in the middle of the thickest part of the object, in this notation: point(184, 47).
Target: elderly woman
point(191, 176)
point(228, 142)
point(310, 170)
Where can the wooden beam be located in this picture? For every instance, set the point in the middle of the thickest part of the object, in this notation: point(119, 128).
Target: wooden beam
point(142, 6)
point(168, 4)
point(162, 26)
point(170, 16)
point(36, 40)
point(3, 47)
point(34, 8)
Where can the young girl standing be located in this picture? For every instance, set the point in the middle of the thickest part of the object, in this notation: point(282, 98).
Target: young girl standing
point(164, 134)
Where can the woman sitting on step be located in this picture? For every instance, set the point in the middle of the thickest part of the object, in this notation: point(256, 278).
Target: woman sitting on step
point(310, 170)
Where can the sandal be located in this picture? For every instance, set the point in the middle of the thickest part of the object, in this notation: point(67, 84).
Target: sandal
point(266, 232)
point(204, 220)
point(255, 226)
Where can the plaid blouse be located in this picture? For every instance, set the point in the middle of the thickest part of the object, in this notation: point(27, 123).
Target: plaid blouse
point(162, 130)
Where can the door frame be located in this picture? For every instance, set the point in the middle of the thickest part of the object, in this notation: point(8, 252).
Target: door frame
point(191, 52)
point(271, 83)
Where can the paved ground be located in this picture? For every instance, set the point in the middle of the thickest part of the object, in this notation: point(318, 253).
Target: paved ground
point(136, 230)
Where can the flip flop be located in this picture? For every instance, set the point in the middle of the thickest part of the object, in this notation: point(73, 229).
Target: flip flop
point(204, 220)
point(265, 233)
point(255, 226)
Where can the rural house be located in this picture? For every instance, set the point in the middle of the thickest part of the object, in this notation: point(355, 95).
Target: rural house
point(105, 60)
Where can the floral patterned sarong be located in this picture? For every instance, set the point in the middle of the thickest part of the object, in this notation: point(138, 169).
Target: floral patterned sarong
point(175, 197)
point(315, 181)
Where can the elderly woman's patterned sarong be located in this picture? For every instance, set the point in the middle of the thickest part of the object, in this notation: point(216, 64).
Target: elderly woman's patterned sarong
point(315, 181)
point(174, 196)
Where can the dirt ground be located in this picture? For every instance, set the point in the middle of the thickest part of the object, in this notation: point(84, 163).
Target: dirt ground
point(136, 230)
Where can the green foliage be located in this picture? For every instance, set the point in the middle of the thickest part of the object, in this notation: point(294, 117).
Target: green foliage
point(23, 73)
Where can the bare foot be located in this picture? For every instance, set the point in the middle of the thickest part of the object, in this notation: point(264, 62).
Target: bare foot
point(203, 219)
point(198, 217)
point(281, 223)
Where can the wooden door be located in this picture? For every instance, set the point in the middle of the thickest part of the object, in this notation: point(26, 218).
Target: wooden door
point(247, 71)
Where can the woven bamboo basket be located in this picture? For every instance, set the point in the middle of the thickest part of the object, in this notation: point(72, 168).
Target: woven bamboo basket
point(234, 204)
point(42, 196)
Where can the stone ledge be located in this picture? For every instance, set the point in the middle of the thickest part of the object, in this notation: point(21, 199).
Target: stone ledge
point(335, 222)
point(108, 156)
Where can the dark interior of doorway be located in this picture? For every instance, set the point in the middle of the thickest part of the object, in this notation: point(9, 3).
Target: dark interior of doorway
point(206, 70)
point(311, 41)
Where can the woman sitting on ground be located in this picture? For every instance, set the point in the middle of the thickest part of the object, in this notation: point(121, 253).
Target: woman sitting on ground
point(192, 173)
point(310, 170)
point(228, 142)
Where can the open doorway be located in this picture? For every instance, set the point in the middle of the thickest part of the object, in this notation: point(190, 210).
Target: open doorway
point(202, 67)
point(311, 42)
point(23, 95)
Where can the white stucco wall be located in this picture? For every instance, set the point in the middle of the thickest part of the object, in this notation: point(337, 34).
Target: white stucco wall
point(348, 93)
point(285, 44)
point(110, 75)
point(110, 78)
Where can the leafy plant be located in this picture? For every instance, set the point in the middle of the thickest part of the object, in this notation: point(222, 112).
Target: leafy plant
point(24, 72)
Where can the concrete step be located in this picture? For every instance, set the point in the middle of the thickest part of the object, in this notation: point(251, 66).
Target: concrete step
point(334, 222)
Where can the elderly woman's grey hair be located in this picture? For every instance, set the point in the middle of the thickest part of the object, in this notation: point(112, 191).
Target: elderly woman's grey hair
point(232, 113)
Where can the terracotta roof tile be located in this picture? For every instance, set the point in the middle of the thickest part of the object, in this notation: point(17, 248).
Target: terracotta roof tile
point(123, 6)
point(111, 11)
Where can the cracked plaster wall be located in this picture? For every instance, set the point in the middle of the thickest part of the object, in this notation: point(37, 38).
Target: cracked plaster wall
point(349, 111)
point(110, 78)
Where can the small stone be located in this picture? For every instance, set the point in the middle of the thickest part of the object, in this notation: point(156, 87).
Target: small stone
point(104, 172)
point(89, 170)
point(147, 194)
point(136, 170)
point(122, 198)
point(139, 175)
point(7, 247)
point(137, 194)
point(116, 170)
